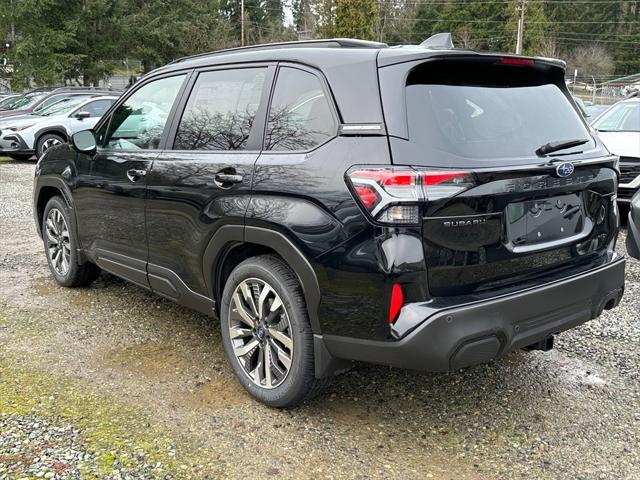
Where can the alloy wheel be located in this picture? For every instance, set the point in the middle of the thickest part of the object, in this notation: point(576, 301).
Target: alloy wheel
point(58, 242)
point(260, 333)
point(50, 142)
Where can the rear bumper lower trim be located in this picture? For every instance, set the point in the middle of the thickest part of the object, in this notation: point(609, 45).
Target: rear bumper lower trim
point(476, 333)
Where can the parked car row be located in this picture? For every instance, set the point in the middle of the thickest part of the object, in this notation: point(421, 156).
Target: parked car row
point(37, 120)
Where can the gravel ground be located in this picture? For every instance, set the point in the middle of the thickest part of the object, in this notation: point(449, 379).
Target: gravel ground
point(113, 382)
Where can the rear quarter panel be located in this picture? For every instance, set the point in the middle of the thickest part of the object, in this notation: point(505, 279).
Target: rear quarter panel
point(305, 197)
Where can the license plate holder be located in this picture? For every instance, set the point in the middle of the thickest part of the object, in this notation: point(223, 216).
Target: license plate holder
point(543, 223)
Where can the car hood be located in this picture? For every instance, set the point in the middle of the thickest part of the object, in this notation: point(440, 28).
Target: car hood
point(8, 121)
point(23, 122)
point(11, 113)
point(623, 144)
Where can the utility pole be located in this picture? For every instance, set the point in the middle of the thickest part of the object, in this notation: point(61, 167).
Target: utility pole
point(522, 4)
point(242, 23)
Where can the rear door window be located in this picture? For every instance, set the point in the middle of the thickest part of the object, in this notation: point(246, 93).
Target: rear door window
point(221, 110)
point(300, 116)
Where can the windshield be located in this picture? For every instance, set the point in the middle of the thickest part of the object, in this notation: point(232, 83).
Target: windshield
point(622, 117)
point(481, 122)
point(7, 102)
point(63, 106)
point(27, 101)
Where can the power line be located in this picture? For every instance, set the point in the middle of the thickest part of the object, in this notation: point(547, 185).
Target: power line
point(598, 41)
point(471, 2)
point(529, 22)
point(594, 34)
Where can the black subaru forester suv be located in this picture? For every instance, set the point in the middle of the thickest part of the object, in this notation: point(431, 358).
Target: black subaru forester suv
point(420, 206)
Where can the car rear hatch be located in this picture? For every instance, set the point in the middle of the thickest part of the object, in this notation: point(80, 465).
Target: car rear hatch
point(497, 208)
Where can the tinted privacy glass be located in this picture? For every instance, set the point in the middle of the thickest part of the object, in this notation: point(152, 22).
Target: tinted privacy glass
point(138, 123)
point(300, 116)
point(489, 122)
point(221, 109)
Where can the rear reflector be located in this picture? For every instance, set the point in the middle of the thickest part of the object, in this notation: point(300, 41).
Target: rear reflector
point(397, 300)
point(518, 62)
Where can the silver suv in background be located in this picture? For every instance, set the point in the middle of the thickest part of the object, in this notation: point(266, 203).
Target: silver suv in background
point(619, 130)
point(34, 134)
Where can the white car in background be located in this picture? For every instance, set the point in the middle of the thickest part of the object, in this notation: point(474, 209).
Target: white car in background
point(36, 133)
point(619, 129)
point(53, 102)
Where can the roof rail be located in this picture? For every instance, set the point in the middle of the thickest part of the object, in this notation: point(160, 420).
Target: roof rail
point(74, 88)
point(326, 43)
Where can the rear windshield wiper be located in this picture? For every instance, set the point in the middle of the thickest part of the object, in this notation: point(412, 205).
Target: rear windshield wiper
point(559, 145)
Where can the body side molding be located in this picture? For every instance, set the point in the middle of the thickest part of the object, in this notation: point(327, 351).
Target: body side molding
point(168, 284)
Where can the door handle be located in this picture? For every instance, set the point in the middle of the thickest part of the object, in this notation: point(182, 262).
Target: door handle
point(227, 178)
point(135, 174)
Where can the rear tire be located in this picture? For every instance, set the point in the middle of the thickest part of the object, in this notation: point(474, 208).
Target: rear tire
point(61, 246)
point(274, 332)
point(47, 141)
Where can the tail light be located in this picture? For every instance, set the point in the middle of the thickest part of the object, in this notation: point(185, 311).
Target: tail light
point(393, 195)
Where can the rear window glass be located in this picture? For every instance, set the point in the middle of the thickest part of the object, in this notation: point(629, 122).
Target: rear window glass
point(489, 121)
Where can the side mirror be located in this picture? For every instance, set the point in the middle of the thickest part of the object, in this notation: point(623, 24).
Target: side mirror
point(82, 115)
point(84, 141)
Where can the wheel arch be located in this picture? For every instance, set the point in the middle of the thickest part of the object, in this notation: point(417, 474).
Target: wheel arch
point(56, 130)
point(232, 244)
point(47, 188)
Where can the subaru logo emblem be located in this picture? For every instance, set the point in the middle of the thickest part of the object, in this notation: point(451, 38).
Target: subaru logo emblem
point(564, 169)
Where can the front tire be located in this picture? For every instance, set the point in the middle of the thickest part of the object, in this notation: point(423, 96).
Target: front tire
point(61, 246)
point(47, 141)
point(266, 333)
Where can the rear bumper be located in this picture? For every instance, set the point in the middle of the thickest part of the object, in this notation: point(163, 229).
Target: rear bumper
point(479, 332)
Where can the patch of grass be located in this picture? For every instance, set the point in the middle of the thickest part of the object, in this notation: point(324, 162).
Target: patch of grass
point(114, 431)
point(5, 159)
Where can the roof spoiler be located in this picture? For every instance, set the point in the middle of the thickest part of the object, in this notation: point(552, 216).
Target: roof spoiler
point(439, 41)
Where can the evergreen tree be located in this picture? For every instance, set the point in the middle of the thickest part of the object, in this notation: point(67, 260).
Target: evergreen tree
point(304, 20)
point(355, 19)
